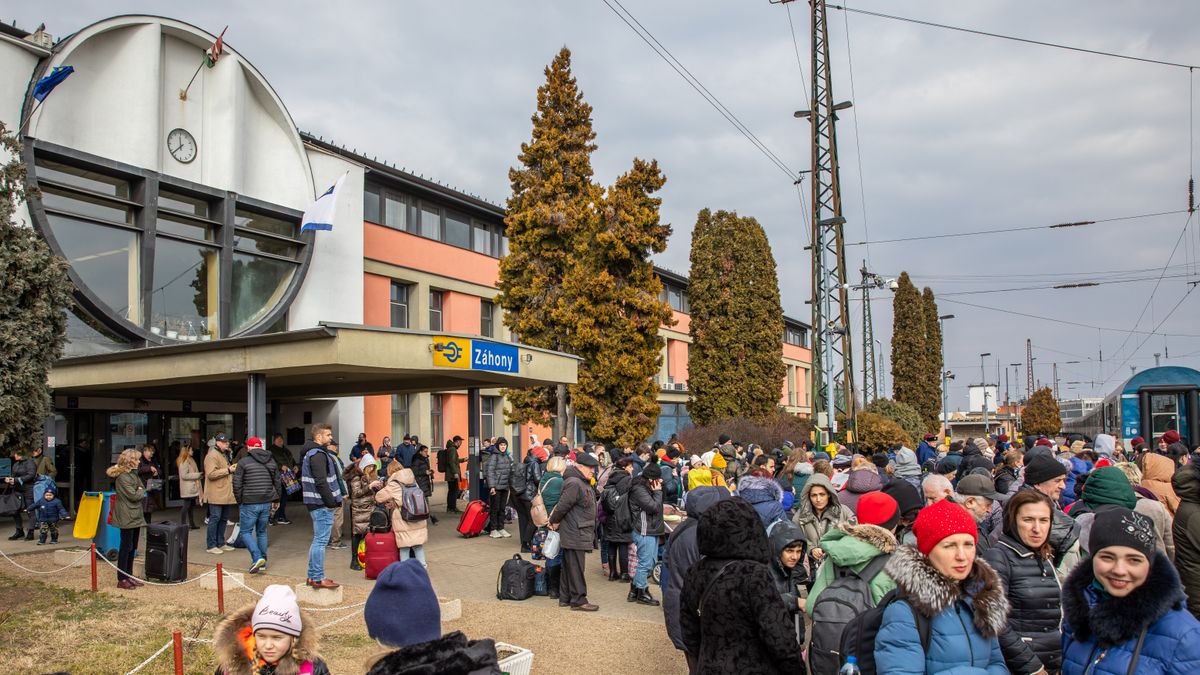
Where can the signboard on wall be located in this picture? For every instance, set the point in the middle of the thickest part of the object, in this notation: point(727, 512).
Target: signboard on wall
point(469, 354)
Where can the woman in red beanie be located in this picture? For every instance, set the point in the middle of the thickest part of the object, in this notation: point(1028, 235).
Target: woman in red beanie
point(958, 595)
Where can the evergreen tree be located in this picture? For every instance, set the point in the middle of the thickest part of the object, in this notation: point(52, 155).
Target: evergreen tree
point(906, 416)
point(909, 361)
point(551, 211)
point(1040, 414)
point(35, 292)
point(735, 367)
point(614, 312)
point(933, 357)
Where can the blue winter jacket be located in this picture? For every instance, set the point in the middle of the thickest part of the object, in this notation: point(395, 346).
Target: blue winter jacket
point(1103, 630)
point(966, 618)
point(50, 511)
point(925, 452)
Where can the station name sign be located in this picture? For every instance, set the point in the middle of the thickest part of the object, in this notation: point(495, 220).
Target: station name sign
point(469, 354)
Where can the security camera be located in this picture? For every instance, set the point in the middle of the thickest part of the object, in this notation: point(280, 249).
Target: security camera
point(893, 284)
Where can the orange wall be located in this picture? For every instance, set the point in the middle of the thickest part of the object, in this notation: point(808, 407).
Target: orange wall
point(409, 250)
point(798, 353)
point(377, 418)
point(677, 360)
point(454, 423)
point(377, 301)
point(460, 313)
point(683, 321)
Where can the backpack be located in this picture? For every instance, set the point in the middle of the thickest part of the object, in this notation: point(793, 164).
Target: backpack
point(413, 505)
point(516, 579)
point(443, 458)
point(670, 485)
point(379, 520)
point(616, 506)
point(858, 638)
point(846, 597)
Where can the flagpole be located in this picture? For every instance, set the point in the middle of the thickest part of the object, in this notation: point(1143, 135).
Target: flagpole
point(184, 92)
point(30, 117)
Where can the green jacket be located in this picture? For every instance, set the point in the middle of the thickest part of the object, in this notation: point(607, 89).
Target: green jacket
point(127, 513)
point(853, 546)
point(552, 481)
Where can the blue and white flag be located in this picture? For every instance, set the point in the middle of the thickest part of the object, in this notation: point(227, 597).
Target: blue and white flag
point(47, 84)
point(319, 216)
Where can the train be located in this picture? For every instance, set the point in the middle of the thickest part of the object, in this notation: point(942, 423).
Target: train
point(1148, 404)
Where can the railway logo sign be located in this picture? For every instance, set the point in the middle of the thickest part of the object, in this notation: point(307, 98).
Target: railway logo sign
point(468, 354)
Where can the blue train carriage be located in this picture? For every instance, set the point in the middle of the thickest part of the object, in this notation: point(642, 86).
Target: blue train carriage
point(1147, 405)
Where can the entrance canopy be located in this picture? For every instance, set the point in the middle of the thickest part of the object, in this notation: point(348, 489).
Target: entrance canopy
point(331, 360)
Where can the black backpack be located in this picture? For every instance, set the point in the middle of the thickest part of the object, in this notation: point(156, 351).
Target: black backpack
point(858, 638)
point(847, 596)
point(380, 520)
point(616, 506)
point(516, 579)
point(443, 458)
point(670, 485)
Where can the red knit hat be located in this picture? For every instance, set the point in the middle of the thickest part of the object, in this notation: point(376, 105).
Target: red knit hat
point(877, 508)
point(1170, 436)
point(1045, 441)
point(943, 519)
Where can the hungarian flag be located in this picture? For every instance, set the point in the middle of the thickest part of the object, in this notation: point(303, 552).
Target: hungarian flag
point(213, 53)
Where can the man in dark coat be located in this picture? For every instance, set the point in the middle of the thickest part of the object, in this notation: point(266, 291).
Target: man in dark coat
point(453, 471)
point(574, 517)
point(284, 460)
point(1186, 530)
point(682, 552)
point(732, 617)
point(973, 458)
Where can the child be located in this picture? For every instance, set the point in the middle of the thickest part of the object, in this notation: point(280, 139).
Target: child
point(47, 512)
point(272, 637)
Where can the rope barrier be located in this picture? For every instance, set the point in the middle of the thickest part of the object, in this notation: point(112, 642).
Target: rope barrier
point(239, 582)
point(82, 555)
point(155, 655)
point(158, 583)
point(337, 621)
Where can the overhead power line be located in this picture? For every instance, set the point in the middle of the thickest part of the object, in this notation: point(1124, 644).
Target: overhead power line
point(1056, 226)
point(1116, 370)
point(1013, 38)
point(1064, 322)
point(665, 54)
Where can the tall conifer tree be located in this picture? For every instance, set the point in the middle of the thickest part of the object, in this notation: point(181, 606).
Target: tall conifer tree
point(614, 312)
point(551, 211)
point(909, 360)
point(933, 358)
point(35, 293)
point(735, 366)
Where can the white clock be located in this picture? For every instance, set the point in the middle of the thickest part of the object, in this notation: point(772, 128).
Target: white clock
point(181, 145)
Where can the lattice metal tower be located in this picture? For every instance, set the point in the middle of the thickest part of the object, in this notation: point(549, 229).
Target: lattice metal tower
point(832, 361)
point(870, 390)
point(1028, 369)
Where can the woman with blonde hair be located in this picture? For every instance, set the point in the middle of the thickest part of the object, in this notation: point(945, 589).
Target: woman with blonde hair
point(189, 483)
point(127, 513)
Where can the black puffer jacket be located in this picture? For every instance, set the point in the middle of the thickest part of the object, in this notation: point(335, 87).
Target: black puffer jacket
point(1005, 477)
point(618, 484)
point(1035, 594)
point(1186, 530)
point(256, 480)
point(26, 472)
point(972, 459)
point(732, 618)
point(791, 583)
point(682, 552)
point(645, 505)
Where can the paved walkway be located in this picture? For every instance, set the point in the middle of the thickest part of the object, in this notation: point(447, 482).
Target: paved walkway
point(458, 567)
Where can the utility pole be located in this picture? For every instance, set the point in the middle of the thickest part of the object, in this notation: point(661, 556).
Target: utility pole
point(870, 385)
point(1054, 374)
point(1028, 368)
point(983, 383)
point(832, 358)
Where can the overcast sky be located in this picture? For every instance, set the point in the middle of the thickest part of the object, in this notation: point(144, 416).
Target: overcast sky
point(956, 133)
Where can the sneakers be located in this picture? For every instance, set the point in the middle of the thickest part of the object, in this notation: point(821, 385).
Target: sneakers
point(258, 565)
point(495, 534)
point(505, 534)
point(227, 547)
point(216, 550)
point(283, 521)
point(337, 547)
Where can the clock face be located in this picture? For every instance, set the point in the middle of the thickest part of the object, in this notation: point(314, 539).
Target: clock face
point(181, 145)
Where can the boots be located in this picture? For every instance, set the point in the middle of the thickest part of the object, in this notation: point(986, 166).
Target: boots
point(29, 535)
point(354, 564)
point(644, 597)
point(634, 594)
point(19, 534)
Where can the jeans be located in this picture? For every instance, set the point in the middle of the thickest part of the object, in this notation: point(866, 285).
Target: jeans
point(647, 555)
point(129, 543)
point(418, 551)
point(218, 515)
point(252, 518)
point(322, 522)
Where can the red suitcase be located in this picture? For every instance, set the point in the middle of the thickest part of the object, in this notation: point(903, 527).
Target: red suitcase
point(473, 519)
point(381, 551)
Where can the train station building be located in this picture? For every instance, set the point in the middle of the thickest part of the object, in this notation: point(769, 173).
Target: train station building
point(199, 305)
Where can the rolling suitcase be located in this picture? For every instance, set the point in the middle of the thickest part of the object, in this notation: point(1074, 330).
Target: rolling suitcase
point(473, 519)
point(380, 551)
point(166, 551)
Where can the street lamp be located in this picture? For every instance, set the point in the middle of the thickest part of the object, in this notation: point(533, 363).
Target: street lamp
point(983, 382)
point(945, 375)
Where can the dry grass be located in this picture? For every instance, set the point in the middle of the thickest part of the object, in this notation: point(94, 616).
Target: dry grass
point(55, 623)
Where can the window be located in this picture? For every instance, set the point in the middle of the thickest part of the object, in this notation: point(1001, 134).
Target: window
point(795, 336)
point(791, 385)
point(371, 197)
point(487, 311)
point(431, 222)
point(458, 230)
point(106, 260)
point(677, 298)
point(482, 239)
point(435, 310)
point(435, 419)
point(400, 426)
point(183, 304)
point(395, 211)
point(399, 305)
point(487, 415)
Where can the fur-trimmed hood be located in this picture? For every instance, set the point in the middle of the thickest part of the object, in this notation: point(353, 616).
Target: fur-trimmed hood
point(1115, 620)
point(231, 654)
point(451, 654)
point(755, 489)
point(930, 593)
point(856, 545)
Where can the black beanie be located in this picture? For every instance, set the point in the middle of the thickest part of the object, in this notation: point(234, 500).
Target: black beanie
point(1118, 526)
point(1042, 469)
point(652, 472)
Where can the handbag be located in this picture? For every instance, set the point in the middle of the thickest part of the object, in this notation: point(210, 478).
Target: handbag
point(154, 484)
point(10, 502)
point(550, 548)
point(288, 478)
point(537, 510)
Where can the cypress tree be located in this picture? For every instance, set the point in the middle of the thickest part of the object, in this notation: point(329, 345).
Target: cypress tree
point(909, 361)
point(1040, 414)
point(551, 211)
point(614, 312)
point(35, 292)
point(933, 357)
point(735, 367)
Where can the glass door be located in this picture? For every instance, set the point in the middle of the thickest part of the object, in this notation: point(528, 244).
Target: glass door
point(1164, 414)
point(176, 431)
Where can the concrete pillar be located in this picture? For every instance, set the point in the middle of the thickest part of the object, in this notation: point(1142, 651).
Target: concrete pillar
point(256, 405)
